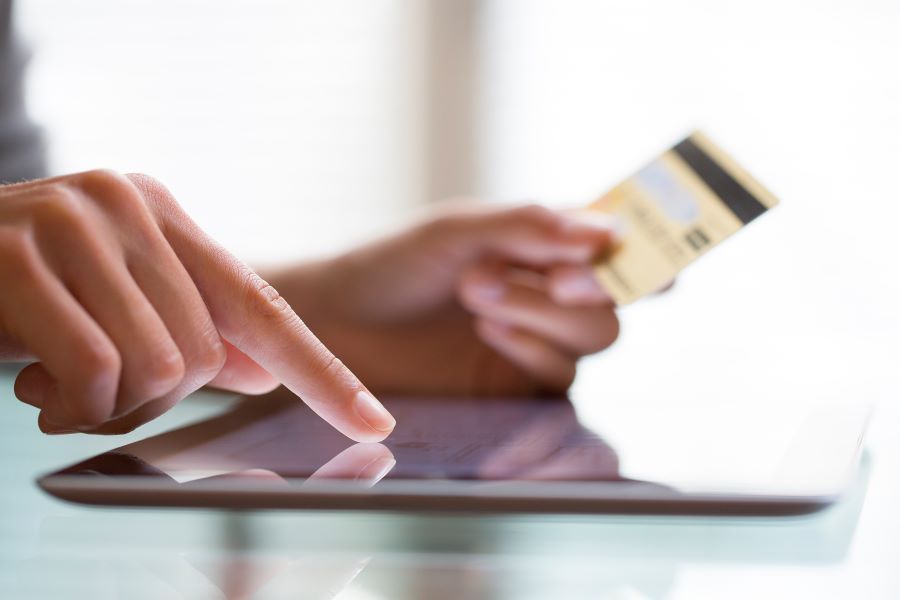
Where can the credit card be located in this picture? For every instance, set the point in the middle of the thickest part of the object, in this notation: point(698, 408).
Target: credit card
point(673, 211)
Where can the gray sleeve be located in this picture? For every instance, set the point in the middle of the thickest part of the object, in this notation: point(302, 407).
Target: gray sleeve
point(21, 144)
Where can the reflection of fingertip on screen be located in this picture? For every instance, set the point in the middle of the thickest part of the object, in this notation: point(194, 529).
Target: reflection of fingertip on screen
point(470, 454)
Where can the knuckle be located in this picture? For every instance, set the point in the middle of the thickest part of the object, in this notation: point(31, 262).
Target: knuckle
point(99, 179)
point(535, 213)
point(153, 193)
point(97, 378)
point(21, 265)
point(59, 204)
point(264, 301)
point(160, 373)
point(330, 367)
point(99, 365)
point(111, 190)
point(210, 359)
point(16, 245)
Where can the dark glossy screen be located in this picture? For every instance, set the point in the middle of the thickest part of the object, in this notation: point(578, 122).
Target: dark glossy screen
point(450, 438)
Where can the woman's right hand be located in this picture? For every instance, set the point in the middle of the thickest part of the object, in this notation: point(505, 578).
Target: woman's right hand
point(128, 307)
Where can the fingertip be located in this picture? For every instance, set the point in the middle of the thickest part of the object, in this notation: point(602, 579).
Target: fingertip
point(30, 385)
point(535, 214)
point(49, 427)
point(583, 242)
point(377, 470)
point(594, 220)
point(602, 231)
point(36, 387)
point(374, 415)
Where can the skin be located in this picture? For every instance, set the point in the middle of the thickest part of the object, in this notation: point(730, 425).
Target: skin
point(127, 307)
point(476, 300)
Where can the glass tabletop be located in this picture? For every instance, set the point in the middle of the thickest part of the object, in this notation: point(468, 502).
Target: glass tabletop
point(49, 549)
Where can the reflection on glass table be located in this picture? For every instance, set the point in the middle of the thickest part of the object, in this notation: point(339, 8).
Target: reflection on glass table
point(395, 556)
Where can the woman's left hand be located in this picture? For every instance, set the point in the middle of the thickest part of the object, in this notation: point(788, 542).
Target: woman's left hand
point(477, 300)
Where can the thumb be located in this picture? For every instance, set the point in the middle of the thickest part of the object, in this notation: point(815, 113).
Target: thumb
point(532, 235)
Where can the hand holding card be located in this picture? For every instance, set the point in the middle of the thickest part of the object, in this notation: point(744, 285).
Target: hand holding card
point(675, 209)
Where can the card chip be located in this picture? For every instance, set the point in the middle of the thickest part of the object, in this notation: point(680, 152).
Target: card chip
point(696, 238)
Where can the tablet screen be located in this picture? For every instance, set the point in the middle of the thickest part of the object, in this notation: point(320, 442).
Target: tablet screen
point(449, 438)
point(277, 438)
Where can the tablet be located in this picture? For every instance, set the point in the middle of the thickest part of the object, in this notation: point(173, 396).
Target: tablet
point(483, 455)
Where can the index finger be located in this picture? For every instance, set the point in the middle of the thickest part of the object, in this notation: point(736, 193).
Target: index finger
point(250, 314)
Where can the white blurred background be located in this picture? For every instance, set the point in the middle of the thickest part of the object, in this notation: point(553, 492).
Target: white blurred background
point(295, 128)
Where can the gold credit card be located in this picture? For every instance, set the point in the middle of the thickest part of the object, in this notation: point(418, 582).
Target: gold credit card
point(673, 210)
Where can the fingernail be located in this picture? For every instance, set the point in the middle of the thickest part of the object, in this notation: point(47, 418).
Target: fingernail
point(487, 290)
point(373, 413)
point(377, 469)
point(581, 286)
